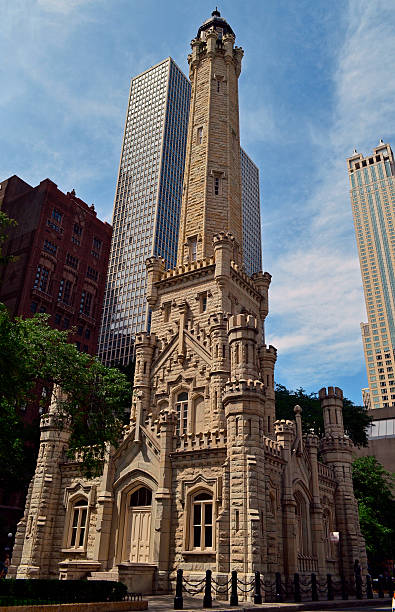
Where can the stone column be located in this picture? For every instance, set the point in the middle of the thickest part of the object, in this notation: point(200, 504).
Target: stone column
point(144, 347)
point(317, 532)
point(285, 435)
point(167, 420)
point(220, 368)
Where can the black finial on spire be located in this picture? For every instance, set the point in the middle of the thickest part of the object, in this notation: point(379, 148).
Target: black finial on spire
point(216, 13)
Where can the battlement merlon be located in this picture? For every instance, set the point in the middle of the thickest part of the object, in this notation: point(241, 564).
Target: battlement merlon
point(155, 268)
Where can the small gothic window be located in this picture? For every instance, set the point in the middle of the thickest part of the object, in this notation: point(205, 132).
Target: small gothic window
point(200, 135)
point(202, 521)
point(141, 497)
point(79, 517)
point(216, 185)
point(182, 413)
point(193, 249)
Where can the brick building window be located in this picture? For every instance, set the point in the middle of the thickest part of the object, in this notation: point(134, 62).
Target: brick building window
point(77, 229)
point(41, 281)
point(216, 185)
point(33, 306)
point(72, 261)
point(57, 215)
point(64, 295)
point(50, 247)
point(86, 303)
point(92, 273)
point(96, 247)
point(199, 135)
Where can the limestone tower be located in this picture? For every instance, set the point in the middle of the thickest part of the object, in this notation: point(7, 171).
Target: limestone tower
point(212, 181)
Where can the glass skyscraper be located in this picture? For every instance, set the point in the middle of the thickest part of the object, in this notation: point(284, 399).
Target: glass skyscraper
point(372, 181)
point(252, 242)
point(147, 202)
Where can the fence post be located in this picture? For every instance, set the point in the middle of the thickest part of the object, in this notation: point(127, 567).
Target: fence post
point(369, 590)
point(178, 599)
point(207, 599)
point(329, 586)
point(234, 600)
point(257, 593)
point(297, 595)
point(314, 590)
point(344, 587)
point(381, 586)
point(279, 596)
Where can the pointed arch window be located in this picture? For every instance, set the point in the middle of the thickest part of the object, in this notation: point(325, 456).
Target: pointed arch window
point(202, 521)
point(78, 524)
point(182, 413)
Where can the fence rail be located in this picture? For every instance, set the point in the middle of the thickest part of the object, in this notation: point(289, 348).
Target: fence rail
point(299, 588)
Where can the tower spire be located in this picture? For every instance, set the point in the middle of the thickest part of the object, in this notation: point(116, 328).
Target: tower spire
point(212, 179)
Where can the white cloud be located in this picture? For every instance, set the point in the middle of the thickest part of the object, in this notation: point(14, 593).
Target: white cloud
point(316, 296)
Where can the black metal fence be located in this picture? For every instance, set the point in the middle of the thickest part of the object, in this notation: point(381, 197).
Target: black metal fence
point(299, 588)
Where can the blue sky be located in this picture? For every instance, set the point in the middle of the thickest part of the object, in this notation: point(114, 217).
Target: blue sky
point(317, 81)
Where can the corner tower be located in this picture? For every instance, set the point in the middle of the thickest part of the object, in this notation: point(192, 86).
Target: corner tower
point(211, 200)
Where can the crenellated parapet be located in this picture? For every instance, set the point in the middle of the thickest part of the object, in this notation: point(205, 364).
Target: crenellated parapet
point(244, 396)
point(202, 440)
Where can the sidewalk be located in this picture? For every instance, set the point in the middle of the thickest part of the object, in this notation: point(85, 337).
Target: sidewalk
point(164, 603)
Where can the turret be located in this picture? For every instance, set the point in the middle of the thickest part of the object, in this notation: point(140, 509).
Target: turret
point(155, 267)
point(336, 450)
point(242, 333)
point(34, 538)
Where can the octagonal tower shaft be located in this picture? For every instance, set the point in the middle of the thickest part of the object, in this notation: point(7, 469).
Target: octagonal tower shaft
point(211, 200)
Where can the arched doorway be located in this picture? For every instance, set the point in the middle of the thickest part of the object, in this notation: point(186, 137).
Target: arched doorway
point(138, 526)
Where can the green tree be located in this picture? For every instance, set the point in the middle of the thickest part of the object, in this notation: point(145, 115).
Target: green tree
point(356, 420)
point(5, 225)
point(374, 489)
point(32, 352)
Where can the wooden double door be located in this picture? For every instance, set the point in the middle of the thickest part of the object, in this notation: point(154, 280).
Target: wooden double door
point(137, 535)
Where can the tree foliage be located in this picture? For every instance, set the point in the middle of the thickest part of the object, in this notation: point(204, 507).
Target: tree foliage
point(356, 420)
point(5, 225)
point(97, 397)
point(374, 490)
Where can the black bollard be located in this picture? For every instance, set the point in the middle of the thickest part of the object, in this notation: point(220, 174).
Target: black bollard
point(178, 600)
point(279, 596)
point(344, 587)
point(297, 595)
point(234, 600)
point(329, 587)
point(314, 590)
point(369, 590)
point(257, 593)
point(207, 599)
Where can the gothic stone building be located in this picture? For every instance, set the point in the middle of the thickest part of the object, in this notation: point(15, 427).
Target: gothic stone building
point(205, 476)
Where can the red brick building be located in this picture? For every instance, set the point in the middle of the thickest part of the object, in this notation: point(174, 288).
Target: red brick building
point(62, 252)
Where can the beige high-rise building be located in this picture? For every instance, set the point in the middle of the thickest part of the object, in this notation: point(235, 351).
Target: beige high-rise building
point(372, 182)
point(205, 477)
